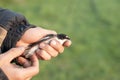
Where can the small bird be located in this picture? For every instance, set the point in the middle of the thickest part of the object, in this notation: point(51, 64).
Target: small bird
point(47, 39)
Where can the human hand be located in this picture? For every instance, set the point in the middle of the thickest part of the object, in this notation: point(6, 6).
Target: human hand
point(14, 24)
point(46, 51)
point(22, 73)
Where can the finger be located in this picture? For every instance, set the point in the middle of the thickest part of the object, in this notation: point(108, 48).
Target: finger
point(34, 69)
point(46, 31)
point(50, 50)
point(24, 62)
point(43, 54)
point(67, 43)
point(57, 46)
point(29, 78)
point(34, 60)
point(33, 37)
point(13, 53)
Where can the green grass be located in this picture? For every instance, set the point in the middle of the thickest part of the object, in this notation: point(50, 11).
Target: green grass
point(94, 27)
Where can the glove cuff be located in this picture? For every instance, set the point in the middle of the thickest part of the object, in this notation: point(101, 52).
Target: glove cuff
point(2, 75)
point(13, 35)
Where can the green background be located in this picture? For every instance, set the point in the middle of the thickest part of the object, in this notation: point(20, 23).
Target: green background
point(94, 28)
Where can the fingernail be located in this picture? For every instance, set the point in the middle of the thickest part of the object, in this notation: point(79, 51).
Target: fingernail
point(53, 42)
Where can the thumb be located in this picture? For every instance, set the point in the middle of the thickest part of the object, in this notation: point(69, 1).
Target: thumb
point(13, 53)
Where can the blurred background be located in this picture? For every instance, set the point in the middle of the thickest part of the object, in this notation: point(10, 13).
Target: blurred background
point(94, 28)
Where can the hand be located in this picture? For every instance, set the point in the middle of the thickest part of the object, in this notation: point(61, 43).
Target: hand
point(15, 25)
point(48, 51)
point(11, 69)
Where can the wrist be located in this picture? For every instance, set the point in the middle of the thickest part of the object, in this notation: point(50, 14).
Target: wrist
point(13, 36)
